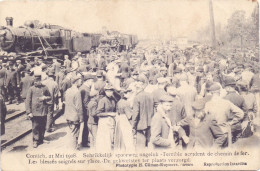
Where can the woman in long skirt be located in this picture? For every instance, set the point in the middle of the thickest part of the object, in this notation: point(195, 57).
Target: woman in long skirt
point(123, 133)
point(106, 112)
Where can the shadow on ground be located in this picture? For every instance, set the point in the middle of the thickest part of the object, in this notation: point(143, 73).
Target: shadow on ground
point(60, 125)
point(3, 141)
point(11, 111)
point(55, 136)
point(19, 148)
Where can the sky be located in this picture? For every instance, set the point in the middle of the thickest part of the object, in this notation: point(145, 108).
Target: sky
point(145, 18)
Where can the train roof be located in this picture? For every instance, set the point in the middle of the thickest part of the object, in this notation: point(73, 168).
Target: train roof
point(57, 27)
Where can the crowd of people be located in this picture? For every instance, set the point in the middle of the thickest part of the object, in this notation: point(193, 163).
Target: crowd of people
point(154, 97)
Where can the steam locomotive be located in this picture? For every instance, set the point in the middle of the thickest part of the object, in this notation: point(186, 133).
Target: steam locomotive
point(118, 41)
point(52, 40)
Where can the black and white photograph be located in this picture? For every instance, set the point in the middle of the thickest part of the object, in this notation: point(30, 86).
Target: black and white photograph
point(129, 85)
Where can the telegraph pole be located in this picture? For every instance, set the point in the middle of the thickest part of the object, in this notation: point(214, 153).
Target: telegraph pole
point(212, 24)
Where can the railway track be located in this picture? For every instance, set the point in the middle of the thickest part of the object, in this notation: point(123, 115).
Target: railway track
point(14, 139)
point(12, 117)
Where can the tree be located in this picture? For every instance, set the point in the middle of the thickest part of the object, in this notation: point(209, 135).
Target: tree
point(254, 25)
point(237, 27)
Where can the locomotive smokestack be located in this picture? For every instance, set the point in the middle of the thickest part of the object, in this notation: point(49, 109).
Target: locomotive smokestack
point(9, 21)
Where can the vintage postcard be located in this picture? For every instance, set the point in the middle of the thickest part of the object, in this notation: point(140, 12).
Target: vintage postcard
point(129, 85)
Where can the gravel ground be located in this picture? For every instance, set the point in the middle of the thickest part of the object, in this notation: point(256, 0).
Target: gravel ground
point(52, 140)
point(15, 127)
point(14, 109)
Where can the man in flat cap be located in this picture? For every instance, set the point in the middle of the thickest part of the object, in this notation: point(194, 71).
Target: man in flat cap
point(26, 83)
point(125, 69)
point(142, 116)
point(11, 82)
point(169, 58)
point(162, 125)
point(56, 66)
point(37, 65)
point(131, 79)
point(54, 92)
point(60, 77)
point(178, 110)
point(67, 62)
point(3, 113)
point(92, 118)
point(85, 89)
point(92, 62)
point(20, 69)
point(160, 91)
point(232, 94)
point(160, 72)
point(29, 64)
point(37, 108)
point(255, 86)
point(247, 74)
point(228, 115)
point(101, 64)
point(74, 63)
point(187, 93)
point(74, 113)
point(204, 129)
point(252, 109)
point(3, 71)
point(172, 69)
point(44, 72)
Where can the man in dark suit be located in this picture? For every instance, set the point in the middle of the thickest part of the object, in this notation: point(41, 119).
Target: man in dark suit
point(19, 69)
point(26, 83)
point(169, 58)
point(56, 67)
point(12, 80)
point(2, 79)
point(85, 91)
point(2, 114)
point(37, 108)
point(238, 100)
point(92, 62)
point(142, 116)
point(204, 129)
point(102, 63)
point(160, 91)
point(54, 92)
point(162, 126)
point(232, 95)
